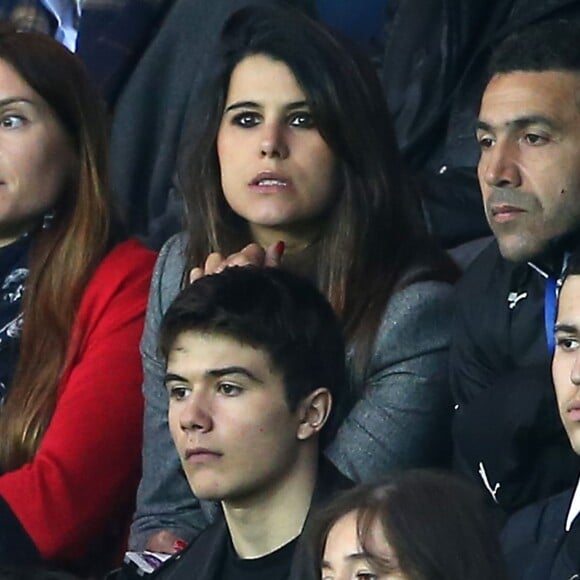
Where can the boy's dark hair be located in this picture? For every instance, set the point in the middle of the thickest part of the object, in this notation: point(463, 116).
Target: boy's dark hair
point(277, 312)
point(572, 267)
point(551, 45)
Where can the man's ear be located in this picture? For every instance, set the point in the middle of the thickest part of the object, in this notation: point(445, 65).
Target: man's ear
point(313, 412)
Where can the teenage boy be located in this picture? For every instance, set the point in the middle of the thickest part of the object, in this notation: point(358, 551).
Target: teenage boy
point(255, 377)
point(542, 542)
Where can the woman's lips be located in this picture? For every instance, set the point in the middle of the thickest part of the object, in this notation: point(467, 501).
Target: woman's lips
point(270, 182)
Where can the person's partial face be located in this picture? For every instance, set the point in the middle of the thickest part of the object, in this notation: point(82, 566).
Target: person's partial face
point(228, 415)
point(566, 360)
point(529, 169)
point(276, 169)
point(36, 157)
point(345, 559)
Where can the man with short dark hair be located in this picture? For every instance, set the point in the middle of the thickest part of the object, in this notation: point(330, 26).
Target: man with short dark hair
point(506, 431)
point(543, 540)
point(255, 378)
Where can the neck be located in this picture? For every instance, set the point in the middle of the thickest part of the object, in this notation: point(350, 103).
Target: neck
point(268, 520)
point(300, 248)
point(297, 237)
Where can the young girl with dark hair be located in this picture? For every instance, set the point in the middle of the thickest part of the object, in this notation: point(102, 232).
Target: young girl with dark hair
point(415, 525)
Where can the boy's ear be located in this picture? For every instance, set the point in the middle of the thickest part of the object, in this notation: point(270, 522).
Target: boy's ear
point(313, 412)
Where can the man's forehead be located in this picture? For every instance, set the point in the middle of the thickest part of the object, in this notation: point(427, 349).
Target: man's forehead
point(549, 95)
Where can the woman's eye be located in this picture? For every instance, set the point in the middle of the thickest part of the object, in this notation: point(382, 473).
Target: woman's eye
point(302, 119)
point(247, 119)
point(12, 121)
point(229, 389)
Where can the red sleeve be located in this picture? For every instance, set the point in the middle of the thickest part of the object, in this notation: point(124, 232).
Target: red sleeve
point(84, 477)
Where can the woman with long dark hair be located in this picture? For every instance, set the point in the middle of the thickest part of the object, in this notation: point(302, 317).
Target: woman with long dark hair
point(293, 162)
point(72, 300)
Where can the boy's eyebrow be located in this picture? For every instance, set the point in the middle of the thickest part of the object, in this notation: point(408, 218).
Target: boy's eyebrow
point(563, 327)
point(216, 373)
point(233, 370)
point(173, 377)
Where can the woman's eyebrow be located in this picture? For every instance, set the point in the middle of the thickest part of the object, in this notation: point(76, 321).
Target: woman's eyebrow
point(12, 100)
point(253, 105)
point(242, 105)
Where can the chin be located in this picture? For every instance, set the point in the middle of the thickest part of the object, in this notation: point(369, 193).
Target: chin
point(575, 441)
point(206, 490)
point(519, 250)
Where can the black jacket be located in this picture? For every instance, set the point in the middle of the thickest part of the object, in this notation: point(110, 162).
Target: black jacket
point(202, 559)
point(507, 432)
point(434, 73)
point(536, 545)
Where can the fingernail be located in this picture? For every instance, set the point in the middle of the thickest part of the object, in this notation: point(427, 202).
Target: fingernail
point(280, 247)
point(179, 545)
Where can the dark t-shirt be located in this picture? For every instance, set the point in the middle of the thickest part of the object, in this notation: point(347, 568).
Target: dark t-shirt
point(273, 566)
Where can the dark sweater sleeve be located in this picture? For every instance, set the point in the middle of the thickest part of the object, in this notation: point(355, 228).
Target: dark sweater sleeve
point(16, 546)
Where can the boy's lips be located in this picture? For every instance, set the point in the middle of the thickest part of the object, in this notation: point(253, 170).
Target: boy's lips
point(200, 455)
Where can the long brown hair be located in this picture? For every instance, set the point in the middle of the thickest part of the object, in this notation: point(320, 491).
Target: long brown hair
point(375, 231)
point(64, 255)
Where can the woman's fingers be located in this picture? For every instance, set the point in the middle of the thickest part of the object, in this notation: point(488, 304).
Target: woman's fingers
point(251, 255)
point(274, 254)
point(165, 541)
point(196, 274)
point(213, 263)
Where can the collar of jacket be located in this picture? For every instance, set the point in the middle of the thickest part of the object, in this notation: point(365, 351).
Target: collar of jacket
point(550, 261)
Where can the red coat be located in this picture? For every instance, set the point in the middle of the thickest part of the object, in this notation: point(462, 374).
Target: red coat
point(84, 476)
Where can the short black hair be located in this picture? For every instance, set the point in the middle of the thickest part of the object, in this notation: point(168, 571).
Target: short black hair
point(273, 310)
point(550, 45)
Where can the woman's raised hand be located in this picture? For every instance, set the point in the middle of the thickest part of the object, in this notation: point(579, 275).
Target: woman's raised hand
point(251, 255)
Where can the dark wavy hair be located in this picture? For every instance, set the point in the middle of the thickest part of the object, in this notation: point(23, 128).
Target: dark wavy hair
point(375, 230)
point(438, 525)
point(63, 256)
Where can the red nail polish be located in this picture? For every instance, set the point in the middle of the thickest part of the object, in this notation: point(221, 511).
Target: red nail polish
point(280, 247)
point(179, 545)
